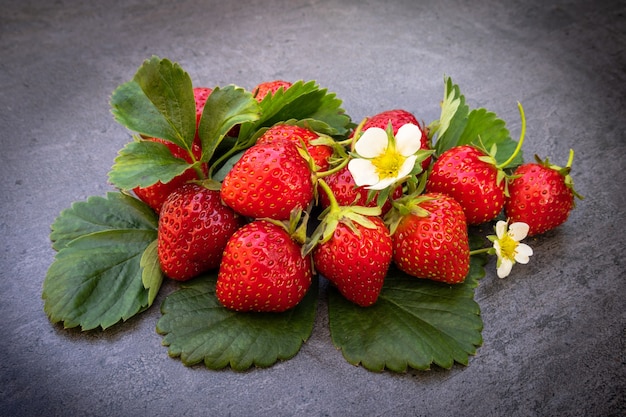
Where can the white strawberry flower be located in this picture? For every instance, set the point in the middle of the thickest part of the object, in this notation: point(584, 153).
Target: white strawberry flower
point(508, 247)
point(382, 159)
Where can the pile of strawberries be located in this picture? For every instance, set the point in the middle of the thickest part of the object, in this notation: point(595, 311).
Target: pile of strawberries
point(289, 208)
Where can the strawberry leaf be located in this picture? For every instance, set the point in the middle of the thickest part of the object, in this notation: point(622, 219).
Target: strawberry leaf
point(96, 279)
point(415, 323)
point(142, 163)
point(158, 102)
point(458, 125)
point(225, 108)
point(117, 211)
point(197, 328)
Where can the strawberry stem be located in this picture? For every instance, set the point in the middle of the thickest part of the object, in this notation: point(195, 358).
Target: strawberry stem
point(521, 138)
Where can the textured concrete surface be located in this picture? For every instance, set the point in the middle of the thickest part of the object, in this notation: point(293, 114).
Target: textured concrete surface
point(554, 334)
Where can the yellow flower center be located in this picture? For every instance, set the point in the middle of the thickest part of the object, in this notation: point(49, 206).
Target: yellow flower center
point(388, 164)
point(508, 246)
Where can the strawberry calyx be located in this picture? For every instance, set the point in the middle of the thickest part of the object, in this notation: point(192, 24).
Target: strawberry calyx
point(296, 226)
point(563, 171)
point(335, 214)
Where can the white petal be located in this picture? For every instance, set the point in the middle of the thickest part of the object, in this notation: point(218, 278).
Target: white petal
point(408, 139)
point(407, 166)
point(504, 269)
point(363, 172)
point(496, 246)
point(518, 230)
point(500, 228)
point(382, 184)
point(522, 253)
point(372, 143)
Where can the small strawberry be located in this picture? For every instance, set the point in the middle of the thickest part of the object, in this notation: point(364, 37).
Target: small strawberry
point(270, 180)
point(269, 87)
point(430, 238)
point(299, 135)
point(541, 195)
point(352, 249)
point(156, 194)
point(194, 227)
point(398, 118)
point(347, 193)
point(472, 178)
point(263, 270)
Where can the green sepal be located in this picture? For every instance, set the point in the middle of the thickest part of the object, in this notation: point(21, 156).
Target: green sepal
point(151, 273)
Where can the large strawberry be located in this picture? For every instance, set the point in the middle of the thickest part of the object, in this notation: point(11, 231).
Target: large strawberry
point(347, 193)
point(156, 194)
point(270, 180)
point(269, 87)
point(541, 195)
point(352, 248)
point(300, 135)
point(398, 118)
point(263, 270)
point(430, 238)
point(470, 176)
point(194, 227)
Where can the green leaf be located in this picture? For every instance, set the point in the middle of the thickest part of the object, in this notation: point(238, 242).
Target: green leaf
point(151, 275)
point(158, 102)
point(303, 101)
point(486, 129)
point(415, 323)
point(117, 211)
point(95, 279)
point(453, 117)
point(225, 108)
point(144, 162)
point(197, 328)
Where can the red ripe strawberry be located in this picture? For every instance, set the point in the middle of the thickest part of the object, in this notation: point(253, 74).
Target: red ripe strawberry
point(156, 194)
point(541, 195)
point(270, 180)
point(432, 240)
point(297, 135)
point(269, 87)
point(263, 270)
point(200, 94)
point(356, 260)
point(347, 193)
point(194, 227)
point(466, 173)
point(398, 118)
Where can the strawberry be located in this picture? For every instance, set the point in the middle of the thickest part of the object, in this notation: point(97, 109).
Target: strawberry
point(269, 87)
point(398, 118)
point(347, 193)
point(193, 230)
point(431, 240)
point(353, 250)
point(156, 194)
point(263, 270)
point(200, 94)
point(541, 195)
point(270, 180)
point(467, 174)
point(299, 135)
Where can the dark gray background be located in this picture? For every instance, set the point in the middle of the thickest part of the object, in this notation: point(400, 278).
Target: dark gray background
point(554, 331)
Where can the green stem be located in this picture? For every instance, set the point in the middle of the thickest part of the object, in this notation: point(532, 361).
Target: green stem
point(479, 251)
point(521, 138)
point(334, 205)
